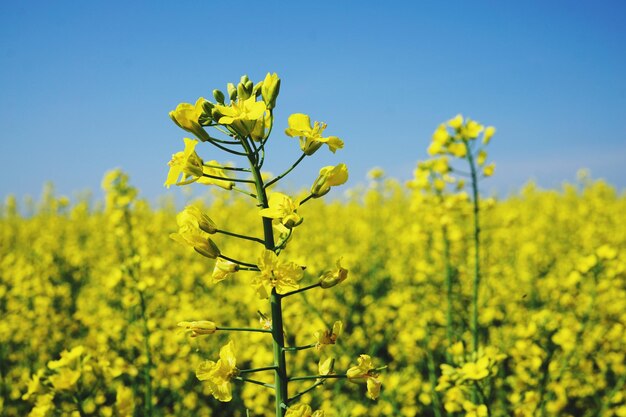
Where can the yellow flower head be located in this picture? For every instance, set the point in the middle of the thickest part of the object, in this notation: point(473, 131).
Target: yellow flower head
point(331, 278)
point(187, 116)
point(184, 165)
point(310, 137)
point(190, 234)
point(303, 410)
point(219, 374)
point(365, 371)
point(328, 337)
point(283, 209)
point(242, 115)
point(192, 216)
point(273, 274)
point(329, 176)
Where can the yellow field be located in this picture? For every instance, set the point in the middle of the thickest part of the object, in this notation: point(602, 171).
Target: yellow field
point(109, 285)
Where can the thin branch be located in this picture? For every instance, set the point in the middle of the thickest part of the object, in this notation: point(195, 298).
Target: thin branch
point(227, 168)
point(301, 393)
point(239, 262)
point(215, 177)
point(295, 164)
point(239, 190)
point(302, 289)
point(310, 196)
point(265, 368)
point(253, 381)
point(304, 378)
point(242, 329)
point(296, 348)
point(254, 239)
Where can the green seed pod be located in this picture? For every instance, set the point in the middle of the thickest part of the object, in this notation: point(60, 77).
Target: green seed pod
point(219, 96)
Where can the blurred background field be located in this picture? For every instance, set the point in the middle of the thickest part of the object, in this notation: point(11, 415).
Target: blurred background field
point(553, 301)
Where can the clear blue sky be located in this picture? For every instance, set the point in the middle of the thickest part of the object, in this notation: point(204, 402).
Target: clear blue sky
point(86, 86)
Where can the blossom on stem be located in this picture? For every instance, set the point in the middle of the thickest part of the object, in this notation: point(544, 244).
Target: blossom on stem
point(223, 269)
point(310, 137)
point(328, 337)
point(331, 278)
point(241, 115)
point(303, 410)
point(329, 176)
point(273, 274)
point(187, 116)
point(219, 374)
point(364, 370)
point(282, 209)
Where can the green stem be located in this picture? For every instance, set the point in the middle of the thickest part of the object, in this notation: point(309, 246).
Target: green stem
point(301, 289)
point(215, 177)
point(304, 378)
point(148, 367)
point(296, 348)
point(238, 262)
point(278, 338)
point(470, 159)
point(242, 329)
point(448, 284)
point(301, 393)
point(227, 168)
point(295, 164)
point(225, 149)
point(254, 239)
point(239, 190)
point(265, 368)
point(310, 196)
point(254, 381)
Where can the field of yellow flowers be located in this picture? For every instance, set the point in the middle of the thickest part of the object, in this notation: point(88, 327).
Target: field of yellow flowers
point(91, 296)
point(416, 299)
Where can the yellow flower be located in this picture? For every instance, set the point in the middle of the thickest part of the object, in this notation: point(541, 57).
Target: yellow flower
point(310, 137)
point(476, 370)
point(192, 216)
point(481, 158)
point(199, 327)
point(190, 234)
point(187, 115)
point(282, 276)
point(242, 115)
point(223, 269)
point(283, 209)
point(331, 278)
point(184, 165)
point(365, 370)
point(456, 122)
point(489, 132)
point(219, 374)
point(329, 176)
point(328, 337)
point(65, 379)
point(473, 410)
point(325, 367)
point(303, 410)
point(489, 169)
point(68, 358)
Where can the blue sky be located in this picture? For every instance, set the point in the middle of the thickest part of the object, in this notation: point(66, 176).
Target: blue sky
point(86, 86)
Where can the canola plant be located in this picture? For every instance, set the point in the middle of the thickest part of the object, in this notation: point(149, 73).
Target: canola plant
point(417, 299)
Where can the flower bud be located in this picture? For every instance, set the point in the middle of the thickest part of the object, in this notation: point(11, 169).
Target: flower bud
point(256, 91)
point(329, 176)
point(193, 215)
point(223, 269)
point(232, 91)
point(206, 247)
point(199, 327)
point(242, 92)
point(270, 90)
point(219, 96)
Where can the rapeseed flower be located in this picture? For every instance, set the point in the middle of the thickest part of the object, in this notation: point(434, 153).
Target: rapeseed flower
point(219, 374)
point(311, 137)
point(284, 276)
